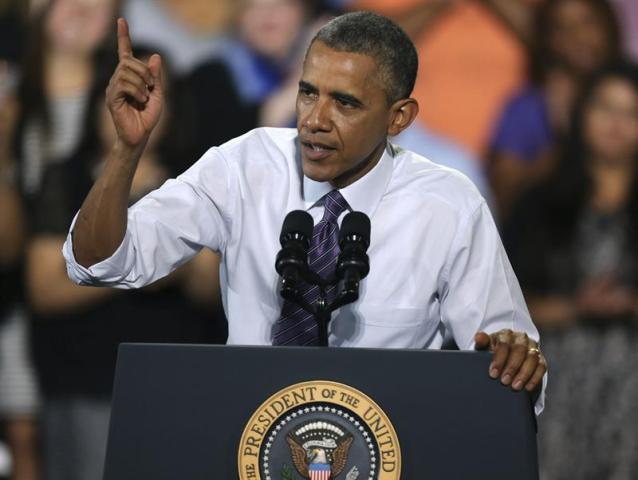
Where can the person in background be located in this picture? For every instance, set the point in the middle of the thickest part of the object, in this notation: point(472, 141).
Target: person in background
point(573, 38)
point(64, 39)
point(274, 34)
point(627, 12)
point(473, 57)
point(573, 243)
point(19, 399)
point(76, 331)
point(11, 221)
point(196, 38)
point(65, 43)
point(190, 32)
point(258, 87)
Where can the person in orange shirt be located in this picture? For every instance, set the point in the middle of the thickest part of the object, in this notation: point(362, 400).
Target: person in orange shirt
point(472, 57)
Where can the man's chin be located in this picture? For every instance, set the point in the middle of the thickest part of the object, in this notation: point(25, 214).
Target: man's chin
point(315, 172)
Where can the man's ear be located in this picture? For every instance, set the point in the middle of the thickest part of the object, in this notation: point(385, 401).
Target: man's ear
point(402, 113)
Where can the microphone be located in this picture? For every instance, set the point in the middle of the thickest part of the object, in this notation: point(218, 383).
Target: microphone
point(292, 259)
point(353, 264)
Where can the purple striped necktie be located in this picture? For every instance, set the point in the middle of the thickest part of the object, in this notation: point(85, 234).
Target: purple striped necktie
point(296, 326)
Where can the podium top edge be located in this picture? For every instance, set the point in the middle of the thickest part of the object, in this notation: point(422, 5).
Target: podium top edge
point(134, 345)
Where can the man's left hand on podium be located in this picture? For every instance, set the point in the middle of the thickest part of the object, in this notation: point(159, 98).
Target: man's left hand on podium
point(517, 358)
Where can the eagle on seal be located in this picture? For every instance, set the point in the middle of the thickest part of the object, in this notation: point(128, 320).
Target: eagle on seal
point(314, 463)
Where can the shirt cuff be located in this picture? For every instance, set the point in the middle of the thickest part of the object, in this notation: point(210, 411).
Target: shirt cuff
point(539, 406)
point(109, 272)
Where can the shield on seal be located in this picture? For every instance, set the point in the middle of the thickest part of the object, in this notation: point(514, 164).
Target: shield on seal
point(319, 471)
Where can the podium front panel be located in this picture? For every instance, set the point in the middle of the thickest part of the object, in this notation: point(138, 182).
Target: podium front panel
point(179, 412)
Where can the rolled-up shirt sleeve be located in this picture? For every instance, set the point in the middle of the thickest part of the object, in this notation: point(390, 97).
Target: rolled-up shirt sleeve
point(480, 291)
point(165, 228)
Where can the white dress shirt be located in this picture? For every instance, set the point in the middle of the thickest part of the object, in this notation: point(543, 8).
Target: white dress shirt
point(437, 265)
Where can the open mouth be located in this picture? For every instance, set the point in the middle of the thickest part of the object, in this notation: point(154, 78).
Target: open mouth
point(316, 150)
point(317, 147)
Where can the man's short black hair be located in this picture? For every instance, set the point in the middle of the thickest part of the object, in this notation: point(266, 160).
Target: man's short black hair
point(371, 34)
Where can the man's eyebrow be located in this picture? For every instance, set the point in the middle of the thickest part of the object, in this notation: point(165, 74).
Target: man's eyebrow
point(343, 96)
point(308, 86)
point(346, 97)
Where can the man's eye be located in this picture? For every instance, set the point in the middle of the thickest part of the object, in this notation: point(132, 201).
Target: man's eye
point(344, 103)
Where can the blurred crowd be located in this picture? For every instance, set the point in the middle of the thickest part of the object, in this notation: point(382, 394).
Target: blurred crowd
point(536, 101)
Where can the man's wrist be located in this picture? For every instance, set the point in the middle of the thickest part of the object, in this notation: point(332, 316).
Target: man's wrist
point(126, 156)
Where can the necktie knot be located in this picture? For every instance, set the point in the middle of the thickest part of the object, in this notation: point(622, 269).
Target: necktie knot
point(334, 205)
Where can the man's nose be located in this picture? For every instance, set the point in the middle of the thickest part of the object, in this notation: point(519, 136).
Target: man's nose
point(319, 117)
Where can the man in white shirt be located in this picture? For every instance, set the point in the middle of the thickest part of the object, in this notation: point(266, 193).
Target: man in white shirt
point(437, 266)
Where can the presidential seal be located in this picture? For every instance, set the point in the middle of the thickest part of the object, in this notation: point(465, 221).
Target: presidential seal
point(319, 430)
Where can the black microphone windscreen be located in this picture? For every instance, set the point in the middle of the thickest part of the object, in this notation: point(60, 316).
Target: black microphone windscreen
point(298, 222)
point(355, 223)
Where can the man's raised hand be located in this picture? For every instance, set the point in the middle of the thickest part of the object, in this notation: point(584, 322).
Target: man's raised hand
point(134, 95)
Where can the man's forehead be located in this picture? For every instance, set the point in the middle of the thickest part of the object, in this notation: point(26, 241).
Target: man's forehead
point(328, 66)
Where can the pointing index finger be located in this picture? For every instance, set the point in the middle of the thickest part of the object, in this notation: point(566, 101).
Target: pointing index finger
point(124, 48)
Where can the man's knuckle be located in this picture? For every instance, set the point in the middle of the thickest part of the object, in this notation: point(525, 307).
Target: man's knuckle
point(523, 377)
point(519, 364)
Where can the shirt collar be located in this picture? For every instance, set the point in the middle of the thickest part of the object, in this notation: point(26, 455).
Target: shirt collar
point(363, 195)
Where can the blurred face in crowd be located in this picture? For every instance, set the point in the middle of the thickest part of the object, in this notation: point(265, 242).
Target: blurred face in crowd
point(79, 26)
point(343, 115)
point(611, 122)
point(578, 35)
point(271, 27)
point(202, 16)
